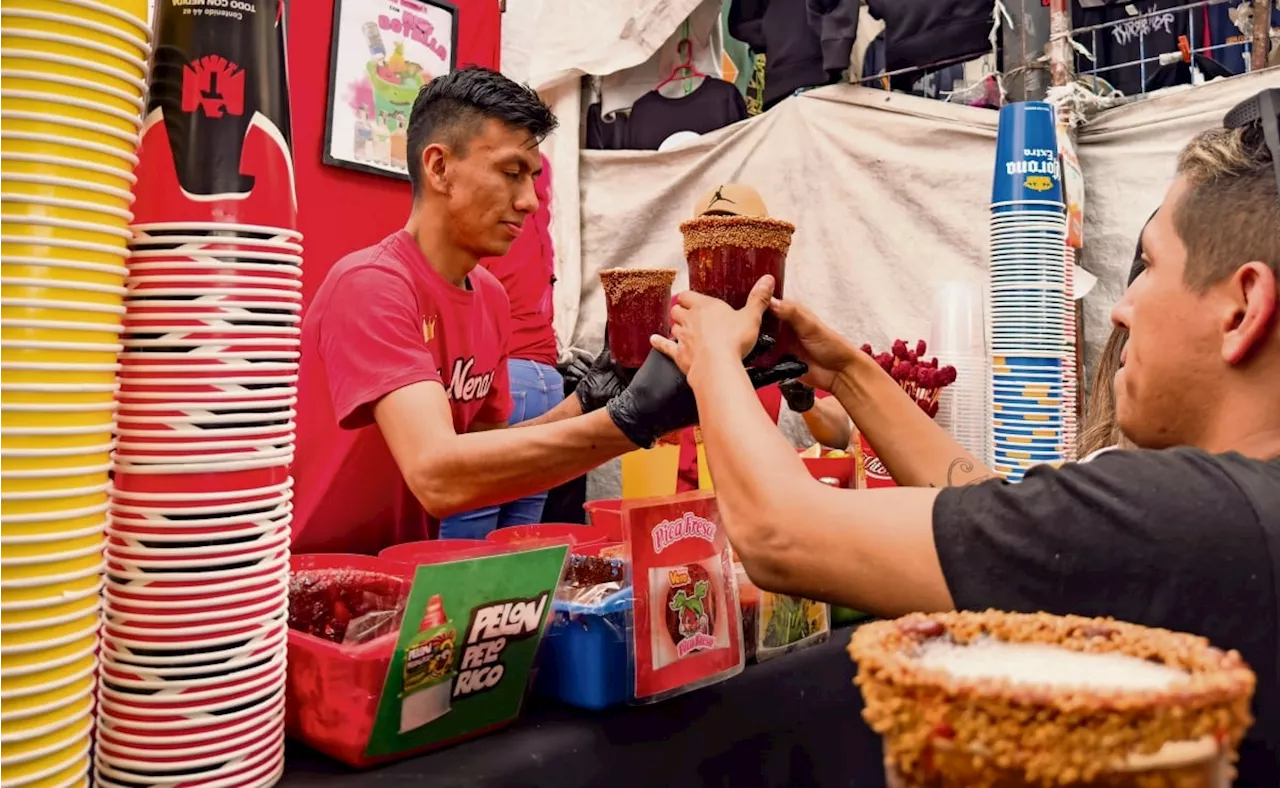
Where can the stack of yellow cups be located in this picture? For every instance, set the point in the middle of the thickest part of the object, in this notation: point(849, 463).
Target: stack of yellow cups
point(72, 79)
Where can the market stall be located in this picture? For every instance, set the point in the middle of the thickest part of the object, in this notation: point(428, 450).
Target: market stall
point(158, 630)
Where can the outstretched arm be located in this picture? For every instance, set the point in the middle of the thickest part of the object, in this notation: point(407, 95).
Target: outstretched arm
point(917, 452)
point(450, 473)
point(871, 549)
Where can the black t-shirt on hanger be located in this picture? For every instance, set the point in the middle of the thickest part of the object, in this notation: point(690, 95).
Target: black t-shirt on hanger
point(606, 133)
point(1179, 539)
point(712, 105)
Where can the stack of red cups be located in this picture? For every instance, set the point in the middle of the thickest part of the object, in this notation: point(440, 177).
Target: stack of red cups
point(191, 691)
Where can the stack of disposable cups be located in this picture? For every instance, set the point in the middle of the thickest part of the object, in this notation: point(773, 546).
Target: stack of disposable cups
point(196, 597)
point(957, 336)
point(1033, 327)
point(72, 80)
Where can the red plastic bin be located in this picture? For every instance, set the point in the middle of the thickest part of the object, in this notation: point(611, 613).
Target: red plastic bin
point(332, 690)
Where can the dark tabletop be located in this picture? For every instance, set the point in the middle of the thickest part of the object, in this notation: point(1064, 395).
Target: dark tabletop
point(792, 721)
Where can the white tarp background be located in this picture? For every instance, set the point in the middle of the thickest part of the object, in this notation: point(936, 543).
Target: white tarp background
point(889, 192)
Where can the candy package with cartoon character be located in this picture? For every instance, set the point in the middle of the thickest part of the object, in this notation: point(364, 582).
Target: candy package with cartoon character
point(685, 631)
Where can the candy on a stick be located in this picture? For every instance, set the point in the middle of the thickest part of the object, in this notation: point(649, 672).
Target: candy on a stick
point(921, 378)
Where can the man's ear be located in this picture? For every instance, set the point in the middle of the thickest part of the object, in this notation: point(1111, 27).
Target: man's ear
point(1252, 292)
point(436, 161)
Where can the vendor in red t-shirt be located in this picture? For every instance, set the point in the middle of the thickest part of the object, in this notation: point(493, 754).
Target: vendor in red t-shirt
point(822, 414)
point(404, 381)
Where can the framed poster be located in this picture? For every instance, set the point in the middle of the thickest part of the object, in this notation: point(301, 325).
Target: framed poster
point(383, 52)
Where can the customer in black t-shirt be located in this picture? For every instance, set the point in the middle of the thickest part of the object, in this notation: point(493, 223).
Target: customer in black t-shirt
point(1183, 534)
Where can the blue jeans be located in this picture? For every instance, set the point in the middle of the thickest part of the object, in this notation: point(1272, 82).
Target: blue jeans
point(535, 389)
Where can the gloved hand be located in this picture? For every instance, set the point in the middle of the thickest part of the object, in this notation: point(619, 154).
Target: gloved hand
point(659, 399)
point(603, 380)
point(575, 369)
point(799, 397)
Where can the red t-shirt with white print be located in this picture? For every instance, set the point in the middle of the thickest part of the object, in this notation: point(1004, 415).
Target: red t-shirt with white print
point(384, 319)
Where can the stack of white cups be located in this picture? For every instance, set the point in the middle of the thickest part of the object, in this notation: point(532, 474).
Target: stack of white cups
point(958, 337)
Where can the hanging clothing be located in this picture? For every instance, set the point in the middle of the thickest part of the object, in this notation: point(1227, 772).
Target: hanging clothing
point(606, 133)
point(923, 32)
point(1225, 37)
point(837, 24)
point(737, 52)
point(1180, 73)
point(712, 105)
point(934, 84)
point(780, 29)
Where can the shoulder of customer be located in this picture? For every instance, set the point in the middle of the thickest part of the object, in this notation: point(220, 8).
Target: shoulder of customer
point(1150, 535)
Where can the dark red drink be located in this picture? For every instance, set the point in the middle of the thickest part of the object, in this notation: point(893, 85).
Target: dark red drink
point(727, 255)
point(638, 302)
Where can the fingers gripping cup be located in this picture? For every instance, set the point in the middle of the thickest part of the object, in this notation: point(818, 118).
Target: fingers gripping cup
point(638, 302)
point(729, 245)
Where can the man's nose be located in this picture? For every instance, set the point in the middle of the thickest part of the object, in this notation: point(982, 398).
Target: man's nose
point(527, 199)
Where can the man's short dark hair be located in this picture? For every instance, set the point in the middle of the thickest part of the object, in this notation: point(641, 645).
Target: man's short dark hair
point(451, 109)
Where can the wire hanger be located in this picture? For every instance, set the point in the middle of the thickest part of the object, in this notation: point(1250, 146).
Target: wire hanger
point(684, 49)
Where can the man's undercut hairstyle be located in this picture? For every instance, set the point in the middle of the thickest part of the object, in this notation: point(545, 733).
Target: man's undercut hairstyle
point(452, 109)
point(1231, 215)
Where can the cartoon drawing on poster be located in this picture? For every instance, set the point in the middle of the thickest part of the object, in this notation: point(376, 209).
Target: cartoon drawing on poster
point(383, 52)
point(689, 615)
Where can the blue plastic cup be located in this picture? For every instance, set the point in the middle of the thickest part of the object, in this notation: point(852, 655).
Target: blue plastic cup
point(1028, 174)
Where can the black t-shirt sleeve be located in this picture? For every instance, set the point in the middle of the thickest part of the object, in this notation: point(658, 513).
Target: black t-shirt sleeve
point(1162, 538)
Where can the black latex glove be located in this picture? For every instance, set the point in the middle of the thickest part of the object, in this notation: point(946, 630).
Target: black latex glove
point(603, 380)
point(799, 397)
point(659, 399)
point(575, 370)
